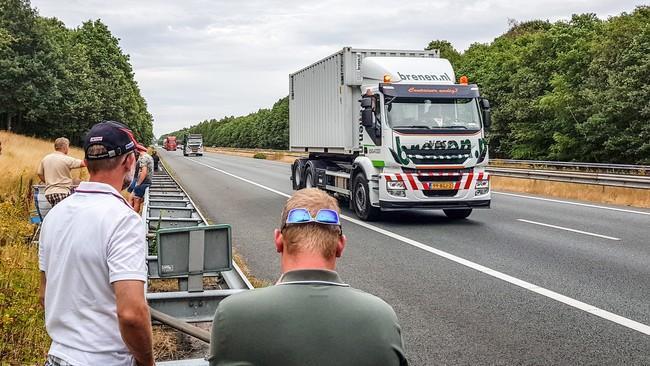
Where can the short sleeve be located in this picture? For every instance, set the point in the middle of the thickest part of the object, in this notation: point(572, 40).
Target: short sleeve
point(40, 170)
point(42, 249)
point(126, 252)
point(73, 163)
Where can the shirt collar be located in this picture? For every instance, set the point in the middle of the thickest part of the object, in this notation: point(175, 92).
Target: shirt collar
point(312, 276)
point(98, 187)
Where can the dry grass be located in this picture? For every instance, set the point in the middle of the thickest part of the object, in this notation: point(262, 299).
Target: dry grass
point(19, 161)
point(22, 330)
point(23, 339)
point(165, 341)
point(256, 282)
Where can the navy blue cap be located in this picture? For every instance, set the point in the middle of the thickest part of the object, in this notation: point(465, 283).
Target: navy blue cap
point(114, 136)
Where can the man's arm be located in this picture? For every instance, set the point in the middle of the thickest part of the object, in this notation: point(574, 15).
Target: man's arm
point(143, 174)
point(134, 319)
point(74, 163)
point(41, 290)
point(41, 172)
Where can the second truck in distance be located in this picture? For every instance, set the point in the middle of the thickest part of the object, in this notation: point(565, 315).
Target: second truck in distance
point(193, 144)
point(390, 130)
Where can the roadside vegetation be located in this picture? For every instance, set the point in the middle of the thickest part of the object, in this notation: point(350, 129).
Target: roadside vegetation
point(574, 90)
point(23, 339)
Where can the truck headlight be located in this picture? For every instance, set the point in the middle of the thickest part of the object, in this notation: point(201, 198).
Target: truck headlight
point(395, 185)
point(481, 191)
point(482, 183)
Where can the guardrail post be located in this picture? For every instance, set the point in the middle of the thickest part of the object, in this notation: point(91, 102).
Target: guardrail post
point(197, 248)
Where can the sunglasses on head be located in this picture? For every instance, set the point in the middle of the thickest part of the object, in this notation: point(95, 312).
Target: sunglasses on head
point(324, 216)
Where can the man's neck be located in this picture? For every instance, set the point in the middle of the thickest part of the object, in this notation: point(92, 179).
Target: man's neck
point(110, 179)
point(306, 261)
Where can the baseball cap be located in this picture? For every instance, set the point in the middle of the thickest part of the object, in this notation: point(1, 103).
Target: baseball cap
point(114, 136)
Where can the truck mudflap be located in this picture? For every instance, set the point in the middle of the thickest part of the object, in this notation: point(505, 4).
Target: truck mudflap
point(434, 205)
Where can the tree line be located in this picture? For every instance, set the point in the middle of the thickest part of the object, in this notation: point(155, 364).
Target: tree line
point(265, 129)
point(56, 81)
point(575, 90)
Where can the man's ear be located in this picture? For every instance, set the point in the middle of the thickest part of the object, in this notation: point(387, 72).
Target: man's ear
point(340, 246)
point(279, 241)
point(129, 161)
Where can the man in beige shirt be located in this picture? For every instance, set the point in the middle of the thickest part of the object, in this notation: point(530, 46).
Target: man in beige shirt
point(55, 171)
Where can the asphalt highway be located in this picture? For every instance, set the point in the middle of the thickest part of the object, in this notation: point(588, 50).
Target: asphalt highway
point(531, 281)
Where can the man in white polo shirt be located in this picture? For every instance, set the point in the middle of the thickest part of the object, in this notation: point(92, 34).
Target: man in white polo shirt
point(92, 257)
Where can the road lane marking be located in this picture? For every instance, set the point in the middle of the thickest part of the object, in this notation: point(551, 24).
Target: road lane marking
point(573, 203)
point(568, 229)
point(604, 314)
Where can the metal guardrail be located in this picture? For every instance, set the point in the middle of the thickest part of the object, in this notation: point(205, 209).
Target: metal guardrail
point(615, 180)
point(169, 209)
point(617, 169)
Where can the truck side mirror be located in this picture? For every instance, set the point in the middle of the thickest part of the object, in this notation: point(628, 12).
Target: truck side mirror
point(366, 111)
point(485, 110)
point(366, 117)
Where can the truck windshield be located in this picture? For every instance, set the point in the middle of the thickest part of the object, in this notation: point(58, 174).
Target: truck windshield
point(434, 113)
point(195, 141)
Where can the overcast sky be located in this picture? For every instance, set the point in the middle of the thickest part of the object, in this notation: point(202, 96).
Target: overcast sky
point(201, 59)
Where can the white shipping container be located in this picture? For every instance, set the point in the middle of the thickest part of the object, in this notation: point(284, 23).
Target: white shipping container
point(324, 100)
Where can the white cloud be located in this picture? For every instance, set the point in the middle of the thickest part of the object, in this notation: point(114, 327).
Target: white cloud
point(200, 59)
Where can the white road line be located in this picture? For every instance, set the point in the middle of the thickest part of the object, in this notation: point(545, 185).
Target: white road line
point(568, 229)
point(573, 203)
point(629, 323)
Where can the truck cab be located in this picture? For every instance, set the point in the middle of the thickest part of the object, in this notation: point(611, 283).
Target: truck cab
point(193, 145)
point(424, 135)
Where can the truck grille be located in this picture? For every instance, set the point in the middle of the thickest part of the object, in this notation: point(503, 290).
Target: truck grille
point(438, 156)
point(441, 193)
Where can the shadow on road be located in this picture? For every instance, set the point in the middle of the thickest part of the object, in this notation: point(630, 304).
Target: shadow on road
point(419, 217)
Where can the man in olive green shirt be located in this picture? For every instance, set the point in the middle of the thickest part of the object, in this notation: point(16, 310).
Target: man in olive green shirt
point(310, 317)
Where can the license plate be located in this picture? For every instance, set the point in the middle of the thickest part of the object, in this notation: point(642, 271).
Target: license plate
point(438, 185)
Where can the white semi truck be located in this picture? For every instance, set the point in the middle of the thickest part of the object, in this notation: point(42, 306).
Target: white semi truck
point(390, 130)
point(193, 144)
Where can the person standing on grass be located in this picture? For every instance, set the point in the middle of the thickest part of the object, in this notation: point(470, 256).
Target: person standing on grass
point(310, 317)
point(55, 171)
point(92, 257)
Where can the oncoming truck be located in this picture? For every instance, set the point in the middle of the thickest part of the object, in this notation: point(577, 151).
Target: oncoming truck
point(193, 144)
point(390, 130)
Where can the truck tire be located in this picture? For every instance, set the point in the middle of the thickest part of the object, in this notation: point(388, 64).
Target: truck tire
point(309, 177)
point(297, 174)
point(361, 199)
point(458, 214)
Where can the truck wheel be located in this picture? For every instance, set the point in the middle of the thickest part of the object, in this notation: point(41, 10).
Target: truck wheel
point(296, 175)
point(361, 199)
point(309, 178)
point(458, 214)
